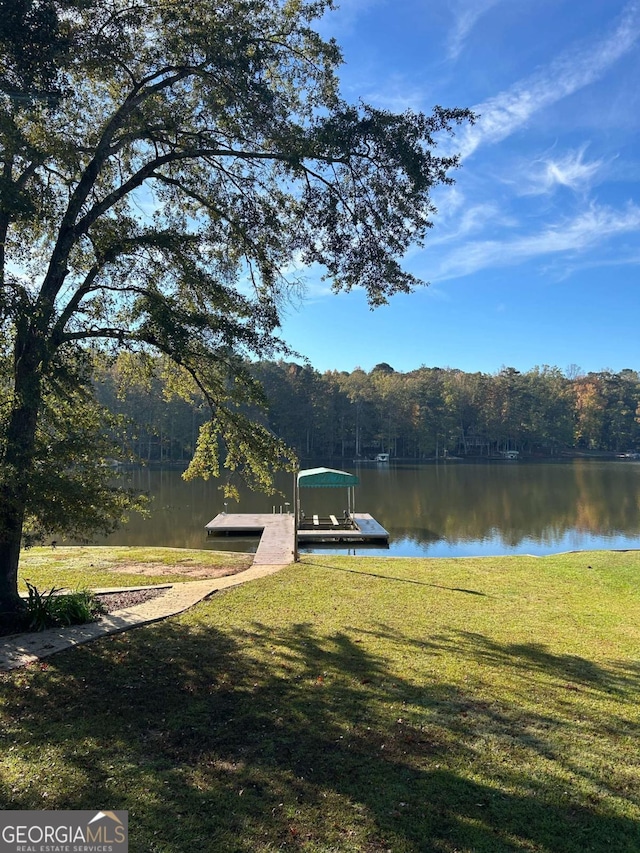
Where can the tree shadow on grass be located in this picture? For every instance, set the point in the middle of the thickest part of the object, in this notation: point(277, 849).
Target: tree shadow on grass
point(617, 677)
point(397, 579)
point(261, 740)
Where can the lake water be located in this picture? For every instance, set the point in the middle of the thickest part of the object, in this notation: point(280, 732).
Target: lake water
point(453, 509)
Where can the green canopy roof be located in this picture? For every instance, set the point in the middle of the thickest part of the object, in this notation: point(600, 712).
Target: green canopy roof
point(317, 478)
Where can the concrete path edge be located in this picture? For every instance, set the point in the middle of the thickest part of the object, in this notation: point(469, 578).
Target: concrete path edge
point(20, 650)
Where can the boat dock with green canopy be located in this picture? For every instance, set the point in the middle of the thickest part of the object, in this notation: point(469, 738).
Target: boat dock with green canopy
point(348, 528)
point(326, 478)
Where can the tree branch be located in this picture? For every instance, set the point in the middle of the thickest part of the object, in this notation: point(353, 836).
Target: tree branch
point(68, 233)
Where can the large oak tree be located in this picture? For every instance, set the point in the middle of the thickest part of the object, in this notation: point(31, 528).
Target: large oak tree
point(163, 165)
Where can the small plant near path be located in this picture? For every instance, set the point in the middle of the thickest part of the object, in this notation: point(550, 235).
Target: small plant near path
point(52, 609)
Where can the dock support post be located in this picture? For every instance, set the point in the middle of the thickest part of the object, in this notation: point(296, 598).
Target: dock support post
point(296, 501)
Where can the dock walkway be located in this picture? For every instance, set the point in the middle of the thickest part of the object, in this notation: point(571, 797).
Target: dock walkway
point(277, 542)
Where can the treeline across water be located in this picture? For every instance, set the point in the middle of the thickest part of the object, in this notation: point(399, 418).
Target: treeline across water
point(425, 413)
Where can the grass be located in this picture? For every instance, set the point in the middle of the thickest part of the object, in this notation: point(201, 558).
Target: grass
point(101, 566)
point(484, 705)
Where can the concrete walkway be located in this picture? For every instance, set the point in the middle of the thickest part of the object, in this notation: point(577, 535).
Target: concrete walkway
point(21, 649)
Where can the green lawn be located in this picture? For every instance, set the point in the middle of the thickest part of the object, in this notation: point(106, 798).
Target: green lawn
point(354, 705)
point(99, 566)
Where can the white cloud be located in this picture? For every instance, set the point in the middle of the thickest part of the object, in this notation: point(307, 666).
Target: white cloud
point(625, 256)
point(396, 94)
point(581, 234)
point(466, 16)
point(571, 171)
point(471, 220)
point(510, 110)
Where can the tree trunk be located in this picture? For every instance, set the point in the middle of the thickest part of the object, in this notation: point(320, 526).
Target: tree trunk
point(16, 468)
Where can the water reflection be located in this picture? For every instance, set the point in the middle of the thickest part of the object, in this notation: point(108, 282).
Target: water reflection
point(456, 509)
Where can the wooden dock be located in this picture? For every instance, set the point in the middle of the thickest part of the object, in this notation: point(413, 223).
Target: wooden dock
point(277, 532)
point(276, 544)
point(364, 529)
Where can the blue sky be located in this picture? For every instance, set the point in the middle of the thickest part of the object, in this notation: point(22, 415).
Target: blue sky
point(535, 254)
